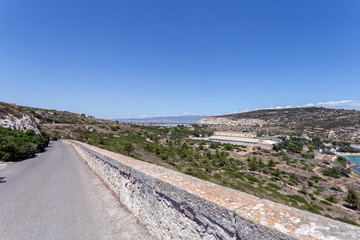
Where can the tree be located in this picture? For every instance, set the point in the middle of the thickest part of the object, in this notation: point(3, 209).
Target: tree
point(294, 148)
point(352, 198)
point(317, 142)
point(212, 145)
point(196, 133)
point(253, 166)
point(128, 148)
point(229, 147)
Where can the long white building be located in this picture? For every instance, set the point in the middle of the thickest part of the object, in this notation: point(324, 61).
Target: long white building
point(241, 138)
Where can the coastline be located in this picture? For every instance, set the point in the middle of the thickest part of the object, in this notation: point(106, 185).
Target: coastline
point(355, 165)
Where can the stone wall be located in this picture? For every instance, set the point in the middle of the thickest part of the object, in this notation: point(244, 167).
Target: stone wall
point(176, 206)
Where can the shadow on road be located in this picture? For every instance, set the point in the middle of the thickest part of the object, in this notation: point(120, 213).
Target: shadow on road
point(2, 180)
point(36, 155)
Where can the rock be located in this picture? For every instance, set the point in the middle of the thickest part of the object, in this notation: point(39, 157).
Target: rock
point(23, 123)
point(224, 121)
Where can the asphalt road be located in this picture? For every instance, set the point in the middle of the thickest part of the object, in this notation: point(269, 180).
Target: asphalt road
point(56, 196)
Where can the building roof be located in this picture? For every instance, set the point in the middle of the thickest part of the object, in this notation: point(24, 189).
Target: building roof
point(235, 132)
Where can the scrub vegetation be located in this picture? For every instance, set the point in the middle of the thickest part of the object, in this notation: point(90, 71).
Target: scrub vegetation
point(300, 171)
point(16, 145)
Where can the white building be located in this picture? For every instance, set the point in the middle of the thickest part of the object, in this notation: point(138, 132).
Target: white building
point(240, 138)
point(235, 134)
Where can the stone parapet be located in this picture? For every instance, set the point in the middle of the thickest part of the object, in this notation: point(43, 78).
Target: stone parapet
point(173, 205)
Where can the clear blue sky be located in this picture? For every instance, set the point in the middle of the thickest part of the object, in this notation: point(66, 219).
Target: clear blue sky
point(146, 58)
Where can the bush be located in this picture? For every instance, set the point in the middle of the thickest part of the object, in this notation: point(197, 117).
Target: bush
point(276, 173)
point(336, 172)
point(252, 178)
point(341, 161)
point(311, 208)
point(336, 189)
point(271, 163)
point(308, 155)
point(229, 147)
point(302, 192)
point(332, 199)
point(197, 173)
point(352, 198)
point(298, 198)
point(253, 165)
point(213, 146)
point(274, 186)
point(316, 178)
point(325, 202)
point(16, 145)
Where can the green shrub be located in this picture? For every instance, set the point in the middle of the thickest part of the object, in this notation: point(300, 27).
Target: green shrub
point(312, 196)
point(325, 202)
point(252, 178)
point(16, 145)
point(332, 199)
point(197, 173)
point(352, 198)
point(336, 189)
point(316, 178)
point(311, 208)
point(302, 192)
point(308, 155)
point(276, 173)
point(274, 186)
point(297, 198)
point(336, 172)
point(341, 161)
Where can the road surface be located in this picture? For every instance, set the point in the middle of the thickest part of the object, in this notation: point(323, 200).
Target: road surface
point(56, 196)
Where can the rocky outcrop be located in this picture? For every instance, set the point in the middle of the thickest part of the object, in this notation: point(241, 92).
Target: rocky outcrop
point(22, 123)
point(224, 121)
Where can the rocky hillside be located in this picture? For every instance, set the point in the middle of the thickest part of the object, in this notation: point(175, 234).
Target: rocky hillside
point(12, 117)
point(60, 124)
point(336, 123)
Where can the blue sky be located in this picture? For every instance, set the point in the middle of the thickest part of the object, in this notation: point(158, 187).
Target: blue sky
point(133, 58)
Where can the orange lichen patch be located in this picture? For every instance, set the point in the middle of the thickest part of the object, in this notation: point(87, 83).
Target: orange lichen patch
point(179, 180)
point(285, 219)
point(222, 196)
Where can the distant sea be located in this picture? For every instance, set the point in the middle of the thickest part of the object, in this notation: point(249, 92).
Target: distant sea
point(356, 160)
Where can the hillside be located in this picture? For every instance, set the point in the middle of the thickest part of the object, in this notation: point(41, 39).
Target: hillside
point(60, 124)
point(330, 123)
point(296, 172)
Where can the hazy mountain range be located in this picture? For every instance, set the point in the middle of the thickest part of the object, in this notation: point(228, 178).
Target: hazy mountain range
point(165, 119)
